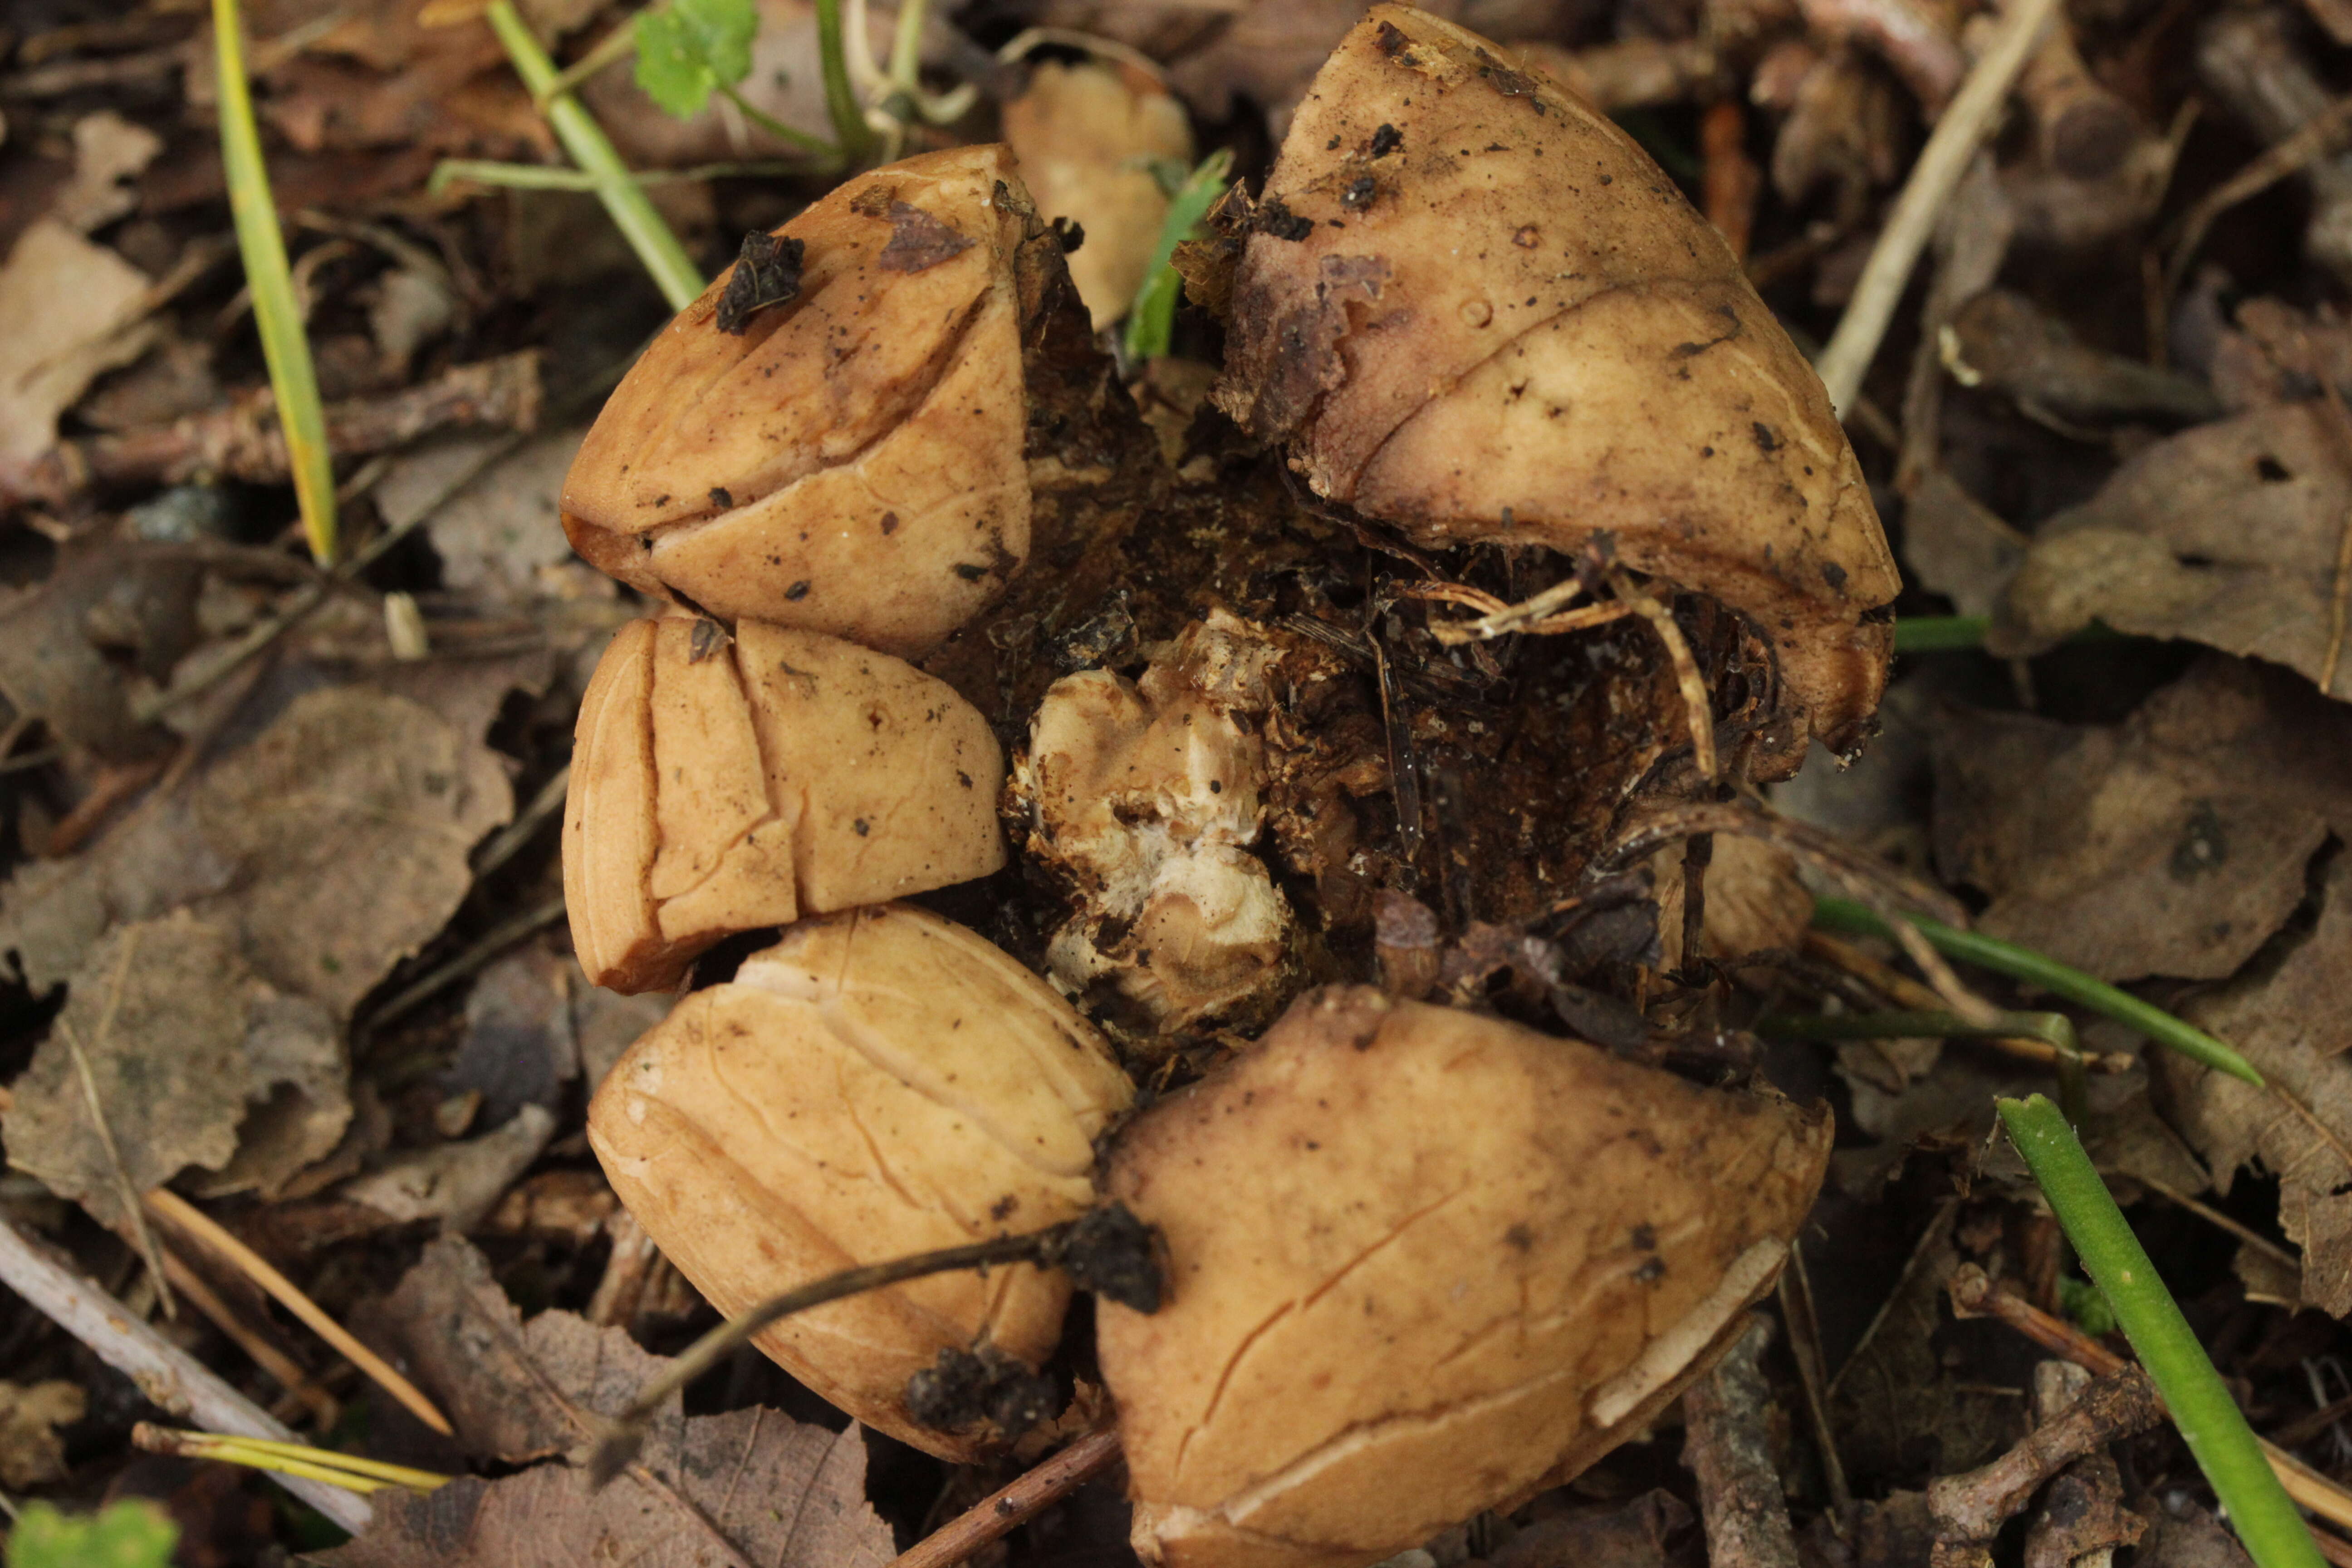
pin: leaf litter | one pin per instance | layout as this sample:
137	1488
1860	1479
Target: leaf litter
751	1485
275	853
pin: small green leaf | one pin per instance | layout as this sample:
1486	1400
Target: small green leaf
2088	1309
688	49
1152	317
127	1534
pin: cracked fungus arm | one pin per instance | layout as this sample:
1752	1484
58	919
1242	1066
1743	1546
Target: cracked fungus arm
878	1083
853	462
1487	314
1384	1321
724	783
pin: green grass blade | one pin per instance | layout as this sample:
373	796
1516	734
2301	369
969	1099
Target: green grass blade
2209	1419
656	246
1851	918
1152	318
283	344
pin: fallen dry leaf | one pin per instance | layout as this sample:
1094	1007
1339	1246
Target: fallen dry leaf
62	644
334	846
1957	547
748	1487
499	536
1633	1535
456	1183
183	1045
109	152
2174	843
349	820
67	310
31	1452
2287	1015
752	1486
2226	534
515	1392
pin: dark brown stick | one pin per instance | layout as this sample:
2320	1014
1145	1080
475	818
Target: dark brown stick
1970	1510
1727	1447
1006	1508
244	442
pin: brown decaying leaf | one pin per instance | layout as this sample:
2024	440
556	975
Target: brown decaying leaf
2285	1014
325	851
456	1184
2174	844
181	1040
67	310
31	1452
498	537
109	595
749	1486
2226	534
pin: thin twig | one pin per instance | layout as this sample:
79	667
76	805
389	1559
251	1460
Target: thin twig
203	1228
1728	1447
490	944
289	1374
510	838
1973	1294
1933	179
2317	137
1009	1507
168	1375
1796	1292
1970	1510
1871	882
2339	607
2216	1218
619	1444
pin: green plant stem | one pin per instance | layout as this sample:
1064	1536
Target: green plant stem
283	344
664	259
849	127
816	145
2055	1029
2209	1419
907	45
1944	634
1851	918
1939	633
612	47
541	177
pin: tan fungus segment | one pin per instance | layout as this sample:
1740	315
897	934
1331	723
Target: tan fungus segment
721	785
878	1083
1502	322
853	462
1386	1316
